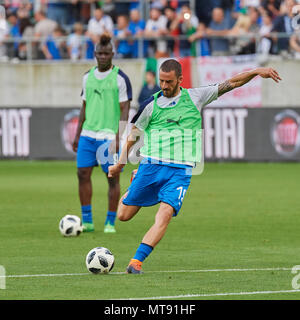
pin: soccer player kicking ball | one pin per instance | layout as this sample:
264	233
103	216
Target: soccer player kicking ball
165	179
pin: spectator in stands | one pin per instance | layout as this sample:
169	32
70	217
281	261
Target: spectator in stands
271	7
252	3
137	27
75	10
76	42
55	48
218	27
81	10
204	10
14	33
42	29
12	6
242	24
24	12
156	27
149	88
136	24
265	43
27	31
44	26
59	11
109	8
99	24
4	32
203	44
134	4
172	45
123	46
25	24
160	4
283	23
246	24
187	23
227	6
295	44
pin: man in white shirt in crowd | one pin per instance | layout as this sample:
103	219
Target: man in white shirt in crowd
156	27
99	24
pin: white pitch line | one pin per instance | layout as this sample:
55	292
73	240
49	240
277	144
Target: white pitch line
212	295
225	270
42	275
50	275
158	271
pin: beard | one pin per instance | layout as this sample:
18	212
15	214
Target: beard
171	93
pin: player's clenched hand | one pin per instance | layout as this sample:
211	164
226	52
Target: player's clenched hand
114	170
75	145
269	73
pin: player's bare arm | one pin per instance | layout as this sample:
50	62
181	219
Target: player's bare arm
132	138
244	77
79	127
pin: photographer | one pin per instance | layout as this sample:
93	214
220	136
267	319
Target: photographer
187	23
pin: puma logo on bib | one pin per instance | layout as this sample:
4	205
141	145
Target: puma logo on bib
174	121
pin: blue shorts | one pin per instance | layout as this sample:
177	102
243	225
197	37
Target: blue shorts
92	152
156	183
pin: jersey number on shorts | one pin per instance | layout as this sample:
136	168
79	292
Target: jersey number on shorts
181	195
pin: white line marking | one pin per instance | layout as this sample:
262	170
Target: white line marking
177	271
44	275
158	271
226	270
213	295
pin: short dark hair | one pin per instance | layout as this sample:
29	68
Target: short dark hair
172	65
152	72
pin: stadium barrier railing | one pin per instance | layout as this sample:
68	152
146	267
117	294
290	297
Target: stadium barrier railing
29	46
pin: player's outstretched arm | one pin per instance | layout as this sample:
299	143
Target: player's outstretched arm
132	138
244	77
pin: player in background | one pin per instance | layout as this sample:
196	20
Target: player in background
106	97
166	180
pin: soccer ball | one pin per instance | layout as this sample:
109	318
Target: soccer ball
70	226
100	260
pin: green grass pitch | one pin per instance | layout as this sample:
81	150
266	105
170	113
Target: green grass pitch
236	237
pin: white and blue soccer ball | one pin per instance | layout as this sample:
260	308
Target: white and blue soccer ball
70	226
100	260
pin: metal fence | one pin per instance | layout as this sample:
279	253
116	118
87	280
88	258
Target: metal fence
30	48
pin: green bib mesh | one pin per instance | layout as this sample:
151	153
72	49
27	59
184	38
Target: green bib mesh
174	133
102	103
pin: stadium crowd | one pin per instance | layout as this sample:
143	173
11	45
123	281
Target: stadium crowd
69	29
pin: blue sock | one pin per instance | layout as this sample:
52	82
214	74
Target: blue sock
143	252
86	212
111	217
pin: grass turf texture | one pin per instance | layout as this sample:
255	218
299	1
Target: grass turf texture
237	215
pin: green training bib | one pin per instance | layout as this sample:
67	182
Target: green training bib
174	133
102	111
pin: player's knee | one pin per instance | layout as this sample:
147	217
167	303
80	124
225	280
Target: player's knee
83	174
113	184
123	213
